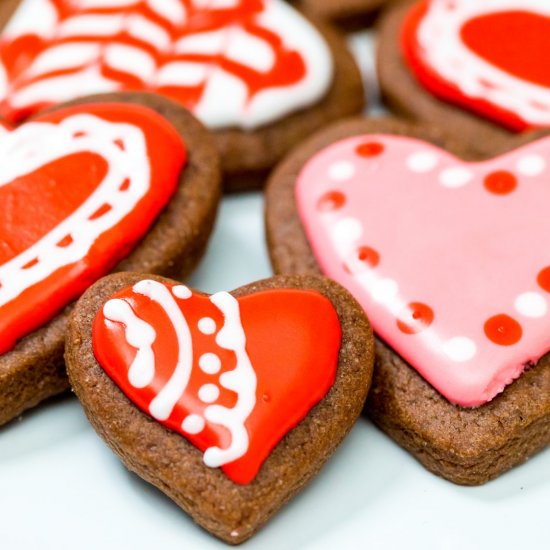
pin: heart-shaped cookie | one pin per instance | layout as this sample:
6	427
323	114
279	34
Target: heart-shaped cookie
58	235
448	261
228	403
485	56
211	368
80	187
233	64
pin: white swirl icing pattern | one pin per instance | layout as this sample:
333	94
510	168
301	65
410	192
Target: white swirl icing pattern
35	144
224	101
242	379
443	49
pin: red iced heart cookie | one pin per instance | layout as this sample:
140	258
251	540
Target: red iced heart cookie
78	187
486	56
233	376
241	63
448	258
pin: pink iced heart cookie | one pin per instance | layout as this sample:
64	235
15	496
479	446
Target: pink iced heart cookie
447	258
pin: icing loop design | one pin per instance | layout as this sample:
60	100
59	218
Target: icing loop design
486	56
232	62
57	237
226	389
446	257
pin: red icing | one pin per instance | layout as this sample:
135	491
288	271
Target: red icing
333	200
292	339
37	202
415	318
488	36
288	67
370	149
368	256
503	330
543	279
500	182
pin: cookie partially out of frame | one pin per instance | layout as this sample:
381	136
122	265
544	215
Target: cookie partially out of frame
34	369
296	352
405	96
349	13
471	444
264	78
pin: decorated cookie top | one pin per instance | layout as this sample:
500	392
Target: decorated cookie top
487	56
231	375
449	259
239	63
78	188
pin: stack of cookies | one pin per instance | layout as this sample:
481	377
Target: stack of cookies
407	283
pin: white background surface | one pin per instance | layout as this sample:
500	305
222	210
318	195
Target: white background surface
61	487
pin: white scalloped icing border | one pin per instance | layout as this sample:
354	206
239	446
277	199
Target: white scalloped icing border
35	144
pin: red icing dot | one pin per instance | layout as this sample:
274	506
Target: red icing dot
544	279
500	182
370	149
333	200
368	256
415	318
503	330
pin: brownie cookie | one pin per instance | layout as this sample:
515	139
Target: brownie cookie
259	74
227	403
471	69
129	181
420	238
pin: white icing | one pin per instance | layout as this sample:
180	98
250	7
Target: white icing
443	49
163	403
242	380
531	304
455	177
460	349
207	325
139	335
210	363
193	424
38	143
422	162
225	101
182	292
531	165
341	171
209	393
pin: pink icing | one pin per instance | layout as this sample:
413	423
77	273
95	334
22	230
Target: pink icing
446	257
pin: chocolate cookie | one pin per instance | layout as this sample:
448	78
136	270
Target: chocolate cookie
129	181
259	74
227	403
440	254
348	13
452	85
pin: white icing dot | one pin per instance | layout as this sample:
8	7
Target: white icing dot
531	165
423	161
384	290
531	304
181	291
193	424
455	177
460	349
348	230
341	171
210	363
209	393
207	325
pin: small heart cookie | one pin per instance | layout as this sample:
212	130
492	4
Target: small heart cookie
131	181
228	403
470	67
444	259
